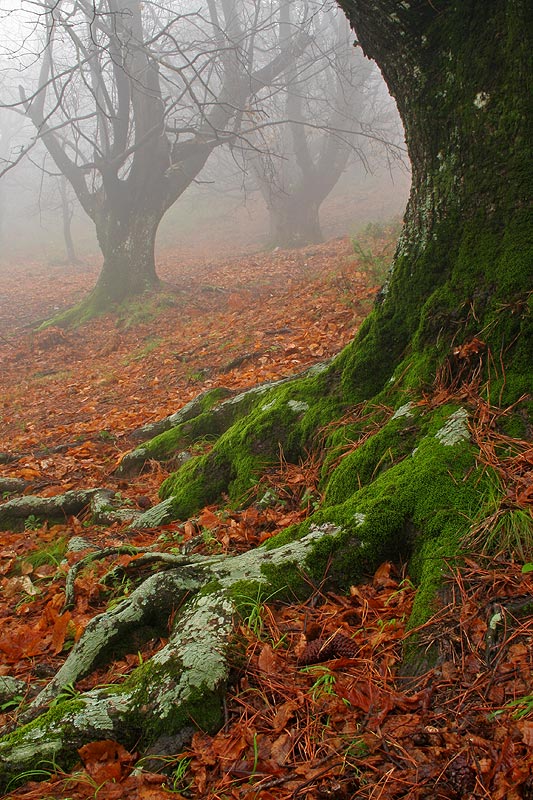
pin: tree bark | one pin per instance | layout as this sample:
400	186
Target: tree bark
294	220
127	242
66	216
459	73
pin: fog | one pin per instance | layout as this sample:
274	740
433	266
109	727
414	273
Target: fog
224	208
215	216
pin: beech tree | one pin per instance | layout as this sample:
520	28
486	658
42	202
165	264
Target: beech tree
131	99
327	108
455	315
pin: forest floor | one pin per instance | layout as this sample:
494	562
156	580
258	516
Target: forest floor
318	708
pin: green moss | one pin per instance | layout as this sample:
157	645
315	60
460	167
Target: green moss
213	397
286	582
52	727
417	509
203	707
279	421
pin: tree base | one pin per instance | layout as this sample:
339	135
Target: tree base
135	307
402	478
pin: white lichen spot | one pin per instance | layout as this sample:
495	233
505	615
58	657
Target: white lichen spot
359	518
239	398
78	543
155	516
481	99
316	369
96	713
403	411
326	527
298	405
268	406
455	429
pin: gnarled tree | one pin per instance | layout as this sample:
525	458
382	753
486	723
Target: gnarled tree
457	305
130	101
333	110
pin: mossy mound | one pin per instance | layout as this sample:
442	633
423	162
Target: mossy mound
399	481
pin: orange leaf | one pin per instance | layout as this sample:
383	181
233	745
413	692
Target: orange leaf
105	760
208	520
59	632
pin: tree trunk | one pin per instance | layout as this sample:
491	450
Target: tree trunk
66	215
294	220
463	264
128	246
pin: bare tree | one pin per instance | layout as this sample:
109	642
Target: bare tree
9	126
131	99
328	112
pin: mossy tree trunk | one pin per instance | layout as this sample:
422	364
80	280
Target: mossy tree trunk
127	242
459	73
412	478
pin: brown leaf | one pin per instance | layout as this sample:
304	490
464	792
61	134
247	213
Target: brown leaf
526	731
105	760
18	585
284	713
281	748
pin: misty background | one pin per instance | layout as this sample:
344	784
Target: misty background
226	207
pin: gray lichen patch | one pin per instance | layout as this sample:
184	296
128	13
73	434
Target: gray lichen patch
10	688
298	405
12	485
107	509
250	566
403	411
101	712
78	543
455	429
159	514
193	664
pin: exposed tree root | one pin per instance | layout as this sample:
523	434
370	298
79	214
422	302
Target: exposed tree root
182	685
101	504
89	559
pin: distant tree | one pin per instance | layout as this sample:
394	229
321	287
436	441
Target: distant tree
8	129
131	99
67	213
328	112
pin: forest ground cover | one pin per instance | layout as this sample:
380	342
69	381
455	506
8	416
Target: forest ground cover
318	708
